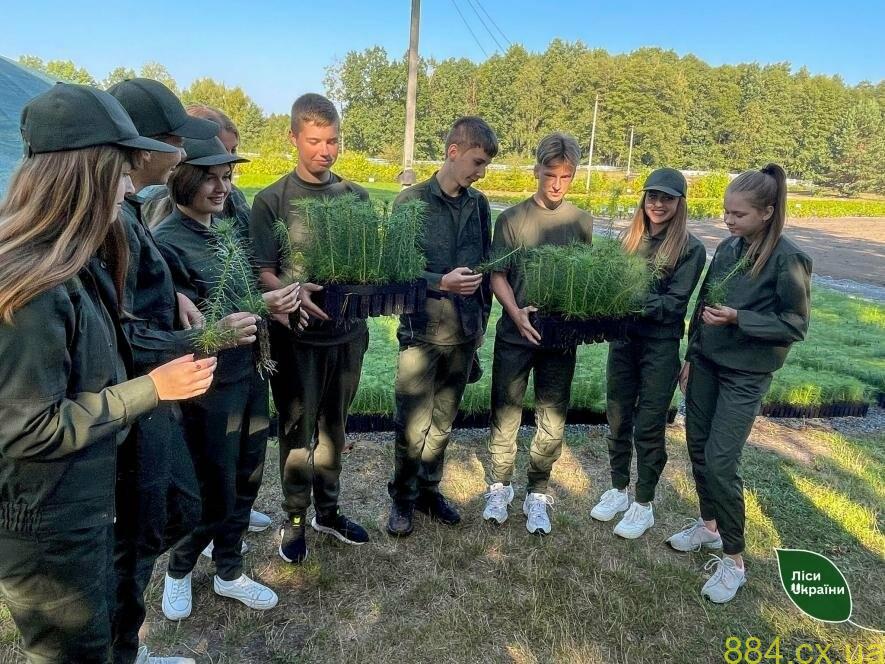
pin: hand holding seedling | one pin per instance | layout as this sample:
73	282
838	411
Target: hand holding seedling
245	325
719	316
283	300
525	327
461	281
188	314
307	304
183	378
683	376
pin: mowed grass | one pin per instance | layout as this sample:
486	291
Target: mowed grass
479	593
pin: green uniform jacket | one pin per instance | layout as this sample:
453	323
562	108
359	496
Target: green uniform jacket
457	232
274	203
773	309
186	246
150	308
663	314
64	406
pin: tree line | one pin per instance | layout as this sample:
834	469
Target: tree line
684	113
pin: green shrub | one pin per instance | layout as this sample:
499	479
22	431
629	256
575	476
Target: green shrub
581	282
349	241
712	185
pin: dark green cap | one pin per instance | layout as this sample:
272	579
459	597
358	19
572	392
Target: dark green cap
668	180
71	117
209	152
156	110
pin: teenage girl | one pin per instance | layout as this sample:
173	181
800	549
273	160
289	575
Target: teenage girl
740	334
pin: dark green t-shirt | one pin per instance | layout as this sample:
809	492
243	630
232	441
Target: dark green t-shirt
528	225
275	202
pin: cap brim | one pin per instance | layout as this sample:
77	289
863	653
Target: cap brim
666	190
143	143
216	160
197	128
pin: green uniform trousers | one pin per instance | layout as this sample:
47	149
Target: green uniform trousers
59	589
313	388
553	371
430	381
720	406
641	377
226	432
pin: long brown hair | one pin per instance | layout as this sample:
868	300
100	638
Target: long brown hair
765	187
56	215
673	246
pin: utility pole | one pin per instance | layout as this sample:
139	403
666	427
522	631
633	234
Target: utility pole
592	139
630	153
407	177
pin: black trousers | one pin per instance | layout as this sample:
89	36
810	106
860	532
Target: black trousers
720	407
430	381
58	589
641	377
226	432
313	389
158	503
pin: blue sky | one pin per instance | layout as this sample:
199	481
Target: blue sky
277	50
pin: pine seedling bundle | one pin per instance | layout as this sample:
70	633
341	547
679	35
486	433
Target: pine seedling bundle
349	241
718	287
236	289
580	282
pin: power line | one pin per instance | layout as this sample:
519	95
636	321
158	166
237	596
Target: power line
469	29
509	43
488	29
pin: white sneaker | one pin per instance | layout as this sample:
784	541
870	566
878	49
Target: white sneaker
258	522
694	536
249	592
498	499
610	503
177	603
636	521
535	509
244	549
144	657
726	579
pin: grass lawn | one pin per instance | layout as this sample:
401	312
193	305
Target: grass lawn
477	593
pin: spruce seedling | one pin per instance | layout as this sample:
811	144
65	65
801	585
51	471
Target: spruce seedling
718	288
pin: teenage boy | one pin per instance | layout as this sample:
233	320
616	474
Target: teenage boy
158	500
544	218
318	367
437	345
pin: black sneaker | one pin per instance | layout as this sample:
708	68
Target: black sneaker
293	545
339	526
437	507
399	524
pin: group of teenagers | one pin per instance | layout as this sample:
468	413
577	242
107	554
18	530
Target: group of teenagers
119	443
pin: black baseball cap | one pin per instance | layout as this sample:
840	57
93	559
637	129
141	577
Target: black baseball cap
71	117
156	110
668	180
209	152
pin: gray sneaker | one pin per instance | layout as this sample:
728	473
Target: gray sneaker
695	536
727	578
144	657
535	509
258	522
498	499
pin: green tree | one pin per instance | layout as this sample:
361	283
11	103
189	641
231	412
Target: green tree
117	75
158	72
245	113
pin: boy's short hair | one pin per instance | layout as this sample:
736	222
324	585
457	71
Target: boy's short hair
557	147
473	132
216	115
315	108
